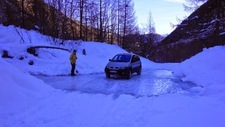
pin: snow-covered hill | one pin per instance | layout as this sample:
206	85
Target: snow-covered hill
54	61
28	101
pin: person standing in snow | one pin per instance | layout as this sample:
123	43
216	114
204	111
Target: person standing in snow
73	58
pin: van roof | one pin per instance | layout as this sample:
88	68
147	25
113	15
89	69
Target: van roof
125	54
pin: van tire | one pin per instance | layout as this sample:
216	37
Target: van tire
128	76
107	75
139	71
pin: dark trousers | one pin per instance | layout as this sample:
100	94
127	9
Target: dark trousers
72	68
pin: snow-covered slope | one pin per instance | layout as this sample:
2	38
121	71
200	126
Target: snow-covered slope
18	90
207	69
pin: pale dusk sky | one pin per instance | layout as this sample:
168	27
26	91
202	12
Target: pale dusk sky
164	12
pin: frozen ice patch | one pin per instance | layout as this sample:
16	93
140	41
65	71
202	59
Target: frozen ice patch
163	73
150	83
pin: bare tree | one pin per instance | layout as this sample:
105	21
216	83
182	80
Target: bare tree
93	19
147	41
118	21
72	10
82	2
55	10
23	11
113	17
129	22
9	12
59	22
151	23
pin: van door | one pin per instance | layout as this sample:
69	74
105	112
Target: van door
135	63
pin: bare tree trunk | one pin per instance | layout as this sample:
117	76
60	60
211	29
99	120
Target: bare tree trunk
118	23
125	21
81	18
59	20
101	27
23	15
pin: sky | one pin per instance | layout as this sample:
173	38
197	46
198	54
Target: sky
164	12
187	94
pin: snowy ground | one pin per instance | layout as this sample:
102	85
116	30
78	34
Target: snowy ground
188	94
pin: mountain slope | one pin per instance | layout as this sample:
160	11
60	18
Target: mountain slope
204	28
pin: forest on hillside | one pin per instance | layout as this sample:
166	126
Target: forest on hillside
90	20
111	21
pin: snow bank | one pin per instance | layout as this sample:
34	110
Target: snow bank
205	69
14	35
18	90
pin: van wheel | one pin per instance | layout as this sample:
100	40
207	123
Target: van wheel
128	75
107	75
139	71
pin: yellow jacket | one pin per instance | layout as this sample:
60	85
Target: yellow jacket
73	58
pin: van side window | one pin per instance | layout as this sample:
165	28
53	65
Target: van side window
135	58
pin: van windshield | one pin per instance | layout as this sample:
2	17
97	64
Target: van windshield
121	58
